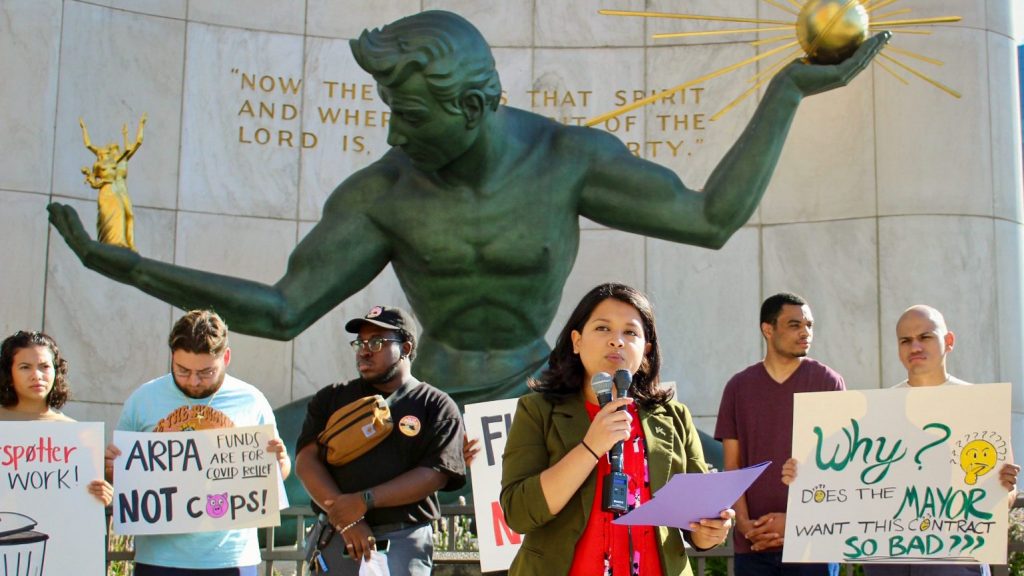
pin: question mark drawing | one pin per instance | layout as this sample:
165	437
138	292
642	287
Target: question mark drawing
981	542
936	442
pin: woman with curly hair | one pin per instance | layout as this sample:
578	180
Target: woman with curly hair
556	462
34	386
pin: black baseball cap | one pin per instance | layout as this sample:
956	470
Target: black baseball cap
391	317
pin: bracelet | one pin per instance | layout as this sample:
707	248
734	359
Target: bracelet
342	531
368	499
589	449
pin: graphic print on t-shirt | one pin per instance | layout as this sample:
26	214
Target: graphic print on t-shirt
188	418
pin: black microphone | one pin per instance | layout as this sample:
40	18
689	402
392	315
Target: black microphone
615	494
622	381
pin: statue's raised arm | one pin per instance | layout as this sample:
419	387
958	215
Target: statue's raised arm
130	149
631	194
85	138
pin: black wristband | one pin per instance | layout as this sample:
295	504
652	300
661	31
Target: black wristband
592	453
368	499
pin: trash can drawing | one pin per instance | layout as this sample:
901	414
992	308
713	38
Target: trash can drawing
22	549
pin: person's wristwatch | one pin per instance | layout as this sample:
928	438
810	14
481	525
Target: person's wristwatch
368	499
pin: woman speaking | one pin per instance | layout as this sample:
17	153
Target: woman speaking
556	458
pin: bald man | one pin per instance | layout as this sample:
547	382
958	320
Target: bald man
924	341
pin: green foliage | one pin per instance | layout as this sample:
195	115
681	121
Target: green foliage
462	527
714	567
118	543
1015	561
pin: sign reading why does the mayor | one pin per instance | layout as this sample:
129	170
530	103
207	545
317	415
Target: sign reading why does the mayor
49	522
905	475
178	482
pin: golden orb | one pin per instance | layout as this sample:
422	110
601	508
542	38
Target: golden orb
830	31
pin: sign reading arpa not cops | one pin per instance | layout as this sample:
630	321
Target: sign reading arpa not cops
907	475
49	522
490	422
179	482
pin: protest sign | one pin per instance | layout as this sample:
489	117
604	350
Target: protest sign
900	475
181	482
49	523
490	422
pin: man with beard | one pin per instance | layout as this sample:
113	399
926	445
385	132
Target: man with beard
198	394
387	497
755	423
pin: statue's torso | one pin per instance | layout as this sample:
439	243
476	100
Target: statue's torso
484	269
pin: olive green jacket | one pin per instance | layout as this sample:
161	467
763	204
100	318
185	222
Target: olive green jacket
542	433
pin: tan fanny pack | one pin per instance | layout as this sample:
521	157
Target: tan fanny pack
355	428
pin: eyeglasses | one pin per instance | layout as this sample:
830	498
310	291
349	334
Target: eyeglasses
373	344
203	375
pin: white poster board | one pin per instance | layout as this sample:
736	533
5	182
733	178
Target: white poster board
490	422
199	481
51	524
900	475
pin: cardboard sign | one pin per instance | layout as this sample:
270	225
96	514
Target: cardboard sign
49	522
490	422
181	482
900	475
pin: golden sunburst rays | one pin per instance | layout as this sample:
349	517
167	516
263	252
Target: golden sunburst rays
825	31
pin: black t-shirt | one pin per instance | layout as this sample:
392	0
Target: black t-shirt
428	432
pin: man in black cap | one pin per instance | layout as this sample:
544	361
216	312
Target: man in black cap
387	497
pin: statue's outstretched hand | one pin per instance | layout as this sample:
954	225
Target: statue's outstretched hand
112	261
815	78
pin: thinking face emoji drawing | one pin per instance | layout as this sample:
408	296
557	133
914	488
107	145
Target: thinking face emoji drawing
977	459
217	504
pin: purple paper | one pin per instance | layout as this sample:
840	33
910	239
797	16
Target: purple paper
689	497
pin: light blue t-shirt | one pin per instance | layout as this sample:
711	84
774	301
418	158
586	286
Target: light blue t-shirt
158	405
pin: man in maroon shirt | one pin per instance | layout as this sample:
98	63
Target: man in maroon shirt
755	423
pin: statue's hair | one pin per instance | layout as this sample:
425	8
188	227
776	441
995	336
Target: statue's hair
446	48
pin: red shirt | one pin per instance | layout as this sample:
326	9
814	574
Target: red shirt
604	548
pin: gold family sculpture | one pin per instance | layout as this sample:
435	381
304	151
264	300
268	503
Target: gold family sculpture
115	221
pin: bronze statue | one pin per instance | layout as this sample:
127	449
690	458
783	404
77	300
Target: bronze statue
476	206
115	221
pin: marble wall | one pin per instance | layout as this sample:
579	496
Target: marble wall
887	194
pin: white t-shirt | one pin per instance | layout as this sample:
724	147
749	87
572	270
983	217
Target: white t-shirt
952	381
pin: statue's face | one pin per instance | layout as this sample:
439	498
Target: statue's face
431	136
